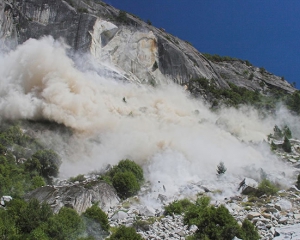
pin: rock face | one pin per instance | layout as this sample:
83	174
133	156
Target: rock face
78	196
144	53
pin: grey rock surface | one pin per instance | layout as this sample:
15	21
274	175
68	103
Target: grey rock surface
78	196
143	52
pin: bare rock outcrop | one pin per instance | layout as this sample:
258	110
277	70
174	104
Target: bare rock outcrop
78	196
142	52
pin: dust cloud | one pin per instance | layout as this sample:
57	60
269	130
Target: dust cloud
176	138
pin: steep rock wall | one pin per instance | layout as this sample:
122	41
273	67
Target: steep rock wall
140	52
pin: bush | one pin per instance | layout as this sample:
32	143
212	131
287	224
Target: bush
125	233
126	184
266	187
177	207
249	231
122	17
216	223
98	215
193	213
79	178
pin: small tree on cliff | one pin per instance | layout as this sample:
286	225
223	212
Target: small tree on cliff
286	146
221	169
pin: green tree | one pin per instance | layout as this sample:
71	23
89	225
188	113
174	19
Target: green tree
287	132
95	213
218	224
126	184
277	132
66	225
178	207
128	166
33	215
49	163
8	228
221	169
249	231
286	146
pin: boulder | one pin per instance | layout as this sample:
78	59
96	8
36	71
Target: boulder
248	186
78	196
283	204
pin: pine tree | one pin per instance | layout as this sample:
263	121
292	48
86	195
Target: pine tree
221	169
286	146
287	132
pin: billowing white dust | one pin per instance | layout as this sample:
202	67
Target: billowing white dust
176	138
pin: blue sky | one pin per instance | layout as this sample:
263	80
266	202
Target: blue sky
264	32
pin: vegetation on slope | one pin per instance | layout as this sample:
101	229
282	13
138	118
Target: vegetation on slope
212	222
236	96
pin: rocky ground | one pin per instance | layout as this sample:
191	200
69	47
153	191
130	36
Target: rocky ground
275	217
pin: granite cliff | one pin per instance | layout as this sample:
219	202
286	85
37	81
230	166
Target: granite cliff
142	52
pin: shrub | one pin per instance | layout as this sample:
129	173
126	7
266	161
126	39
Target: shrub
126	184
249	231
37	182
273	146
262	70
98	215
216	223
79	178
194	211
266	187
177	207
82	10
122	17
125	233
251	76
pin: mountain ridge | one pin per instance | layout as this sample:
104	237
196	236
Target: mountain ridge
126	42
